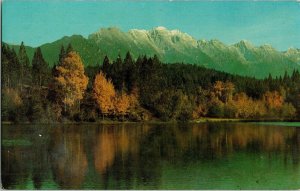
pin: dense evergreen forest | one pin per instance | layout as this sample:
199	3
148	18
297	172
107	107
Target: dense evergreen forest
136	90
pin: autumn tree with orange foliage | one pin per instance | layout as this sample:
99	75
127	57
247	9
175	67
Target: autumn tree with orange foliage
277	106
134	97
71	82
121	104
246	107
104	93
223	91
273	99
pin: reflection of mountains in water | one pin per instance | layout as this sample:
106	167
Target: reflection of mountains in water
133	155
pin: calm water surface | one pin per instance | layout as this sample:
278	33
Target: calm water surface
143	156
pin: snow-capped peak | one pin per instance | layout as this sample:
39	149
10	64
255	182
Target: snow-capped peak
160	28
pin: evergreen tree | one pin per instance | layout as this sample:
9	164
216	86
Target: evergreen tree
10	67
52	94
296	76
130	72
116	74
14	68
62	53
128	59
106	65
25	73
5	63
39	68
69	49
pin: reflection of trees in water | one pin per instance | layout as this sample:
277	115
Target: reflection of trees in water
115	154
68	158
128	156
149	163
13	167
124	155
294	146
19	161
40	167
210	141
104	151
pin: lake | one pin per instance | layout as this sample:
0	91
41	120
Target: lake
151	156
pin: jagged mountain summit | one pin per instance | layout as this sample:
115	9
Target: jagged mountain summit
172	46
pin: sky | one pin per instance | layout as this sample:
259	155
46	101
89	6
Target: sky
39	22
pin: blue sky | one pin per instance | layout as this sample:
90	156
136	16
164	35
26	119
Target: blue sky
38	22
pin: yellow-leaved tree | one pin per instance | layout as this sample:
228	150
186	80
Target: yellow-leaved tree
223	91
104	93
122	103
273	100
70	81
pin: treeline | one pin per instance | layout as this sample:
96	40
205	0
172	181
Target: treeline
136	90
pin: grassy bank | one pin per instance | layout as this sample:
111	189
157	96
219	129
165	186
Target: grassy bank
207	119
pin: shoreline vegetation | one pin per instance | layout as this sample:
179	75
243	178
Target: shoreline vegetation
201	120
142	90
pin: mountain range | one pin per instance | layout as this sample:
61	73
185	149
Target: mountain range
172	46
